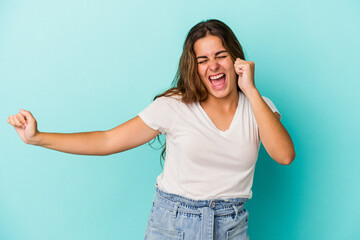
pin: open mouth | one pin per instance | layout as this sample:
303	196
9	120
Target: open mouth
218	81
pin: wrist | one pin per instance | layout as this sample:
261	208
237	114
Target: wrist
36	140
251	93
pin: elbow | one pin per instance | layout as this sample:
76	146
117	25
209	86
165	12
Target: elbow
288	159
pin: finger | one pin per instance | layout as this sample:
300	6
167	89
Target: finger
17	122
244	63
239	68
239	60
10	121
14	121
243	66
20	118
29	117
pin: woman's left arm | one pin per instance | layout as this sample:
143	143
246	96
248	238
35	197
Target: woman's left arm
273	134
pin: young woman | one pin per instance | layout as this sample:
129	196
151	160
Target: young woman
214	119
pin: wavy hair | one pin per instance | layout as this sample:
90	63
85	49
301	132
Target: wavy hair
187	82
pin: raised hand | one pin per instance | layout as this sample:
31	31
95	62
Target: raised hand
25	125
245	70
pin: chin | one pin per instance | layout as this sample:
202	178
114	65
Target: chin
219	94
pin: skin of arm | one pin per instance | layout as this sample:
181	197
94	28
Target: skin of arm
130	134
273	134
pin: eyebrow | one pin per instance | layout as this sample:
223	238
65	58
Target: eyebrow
223	51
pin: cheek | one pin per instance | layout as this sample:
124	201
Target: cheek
201	72
233	76
232	69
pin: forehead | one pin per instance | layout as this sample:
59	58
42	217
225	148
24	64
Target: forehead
208	45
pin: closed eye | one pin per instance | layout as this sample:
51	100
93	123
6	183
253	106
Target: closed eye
205	60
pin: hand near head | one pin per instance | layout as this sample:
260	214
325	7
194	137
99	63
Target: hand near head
25	125
245	70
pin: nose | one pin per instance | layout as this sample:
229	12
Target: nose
213	65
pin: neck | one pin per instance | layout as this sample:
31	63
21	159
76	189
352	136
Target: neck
226	104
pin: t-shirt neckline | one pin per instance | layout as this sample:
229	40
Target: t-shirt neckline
213	126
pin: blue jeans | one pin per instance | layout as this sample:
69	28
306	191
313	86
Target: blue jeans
176	217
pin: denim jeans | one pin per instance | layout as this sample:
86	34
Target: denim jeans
176	217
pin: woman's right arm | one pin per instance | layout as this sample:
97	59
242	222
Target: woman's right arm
130	134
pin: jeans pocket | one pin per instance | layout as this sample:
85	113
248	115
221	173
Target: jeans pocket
157	232
239	232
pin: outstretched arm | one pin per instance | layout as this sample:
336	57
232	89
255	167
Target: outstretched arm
130	134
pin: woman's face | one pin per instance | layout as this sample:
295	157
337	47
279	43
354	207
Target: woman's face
215	66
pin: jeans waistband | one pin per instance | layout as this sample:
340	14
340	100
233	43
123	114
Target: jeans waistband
195	204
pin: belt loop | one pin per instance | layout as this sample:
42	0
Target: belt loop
176	208
154	198
236	211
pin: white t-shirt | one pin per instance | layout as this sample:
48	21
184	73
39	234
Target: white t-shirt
203	162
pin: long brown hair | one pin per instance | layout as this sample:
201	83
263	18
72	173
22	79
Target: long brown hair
187	82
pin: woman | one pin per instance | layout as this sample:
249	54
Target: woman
214	119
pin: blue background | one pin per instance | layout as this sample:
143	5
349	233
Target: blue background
92	65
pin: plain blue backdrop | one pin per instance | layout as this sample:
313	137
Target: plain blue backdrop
92	65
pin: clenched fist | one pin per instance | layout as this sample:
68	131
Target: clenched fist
245	70
25	125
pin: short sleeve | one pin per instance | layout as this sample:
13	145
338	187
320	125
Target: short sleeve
161	114
271	105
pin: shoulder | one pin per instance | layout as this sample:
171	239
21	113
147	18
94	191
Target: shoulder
268	102
173	99
166	104
266	99
272	107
